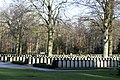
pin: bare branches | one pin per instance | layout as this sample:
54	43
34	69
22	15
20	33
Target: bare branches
39	13
50	10
101	3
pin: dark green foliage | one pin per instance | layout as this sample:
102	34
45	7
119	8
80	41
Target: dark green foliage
43	65
55	64
18	62
118	71
49	66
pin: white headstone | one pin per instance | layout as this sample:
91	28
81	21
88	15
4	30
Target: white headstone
64	63
91	63
76	63
80	63
45	60
108	62
98	63
115	63
10	59
2	58
68	63
87	63
83	63
5	58
33	60
72	63
111	63
94	63
29	60
37	60
101	63
21	58
14	58
41	60
49	61
59	63
105	63
17	58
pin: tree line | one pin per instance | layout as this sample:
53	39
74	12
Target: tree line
34	26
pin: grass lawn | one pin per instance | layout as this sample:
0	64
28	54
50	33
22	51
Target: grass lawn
27	74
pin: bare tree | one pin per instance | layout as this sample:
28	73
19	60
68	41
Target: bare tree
15	19
48	11
104	10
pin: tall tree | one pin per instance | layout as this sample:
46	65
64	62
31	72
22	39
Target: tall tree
15	19
48	11
107	24
104	12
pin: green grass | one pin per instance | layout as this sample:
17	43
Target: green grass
27	74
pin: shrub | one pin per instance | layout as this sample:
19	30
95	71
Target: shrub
55	64
43	65
18	62
118	71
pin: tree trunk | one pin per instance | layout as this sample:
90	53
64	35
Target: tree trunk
66	50
107	23
66	46
46	46
20	43
57	50
37	44
50	42
110	44
25	47
111	12
106	43
0	43
29	49
18	46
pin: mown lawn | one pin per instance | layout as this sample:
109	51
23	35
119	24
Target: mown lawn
27	74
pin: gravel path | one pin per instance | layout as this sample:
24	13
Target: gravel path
10	65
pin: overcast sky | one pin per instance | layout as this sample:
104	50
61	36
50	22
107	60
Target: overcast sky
4	2
71	11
